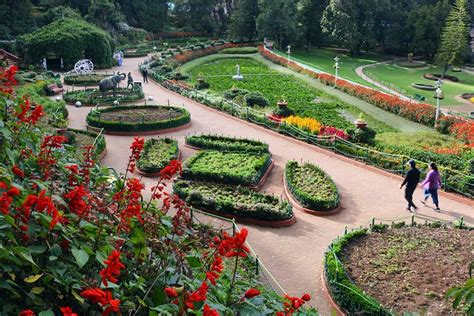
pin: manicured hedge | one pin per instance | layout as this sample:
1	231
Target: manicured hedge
240	50
222	143
93	119
227	167
156	154
311	186
233	200
94	96
84	80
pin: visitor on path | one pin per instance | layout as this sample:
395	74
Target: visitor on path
130	80
411	181
145	75
431	185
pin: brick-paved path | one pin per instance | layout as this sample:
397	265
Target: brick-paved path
294	255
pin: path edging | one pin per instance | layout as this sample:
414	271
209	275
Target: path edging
327	294
146	133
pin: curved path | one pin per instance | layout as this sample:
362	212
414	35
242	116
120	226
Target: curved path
294	254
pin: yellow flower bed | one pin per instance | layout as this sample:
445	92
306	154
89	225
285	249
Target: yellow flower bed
305	123
472	99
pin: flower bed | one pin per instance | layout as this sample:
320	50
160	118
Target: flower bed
138	118
240	50
389	271
435	77
84	80
157	153
233	200
221	143
227	167
81	139
424	86
92	97
311	187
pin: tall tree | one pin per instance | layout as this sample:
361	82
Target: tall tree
277	20
193	15
310	13
243	21
148	14
455	36
104	13
16	18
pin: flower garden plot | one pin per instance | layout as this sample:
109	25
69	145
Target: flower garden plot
92	97
227	167
233	200
311	187
139	118
221	143
84	80
156	155
407	269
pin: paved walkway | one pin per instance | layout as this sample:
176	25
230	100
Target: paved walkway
294	255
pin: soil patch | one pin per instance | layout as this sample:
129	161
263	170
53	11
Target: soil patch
410	269
141	115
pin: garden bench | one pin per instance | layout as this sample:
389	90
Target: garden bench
419	97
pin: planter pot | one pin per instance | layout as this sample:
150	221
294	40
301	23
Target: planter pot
282	103
360	124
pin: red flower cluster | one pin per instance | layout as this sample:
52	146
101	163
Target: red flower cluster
25	107
18	172
232	246
6	198
330	130
136	147
171	292
464	131
251	293
199	295
207	311
193	54
27	312
41	203
7	79
293	304
132	194
45	158
173	168
103	298
67	311
112	271
77	201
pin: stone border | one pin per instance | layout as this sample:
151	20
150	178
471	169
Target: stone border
146	133
300	207
327	294
251	221
154	174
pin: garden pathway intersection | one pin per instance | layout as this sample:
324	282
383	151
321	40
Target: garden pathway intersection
294	254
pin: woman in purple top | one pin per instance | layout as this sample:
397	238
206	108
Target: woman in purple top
431	185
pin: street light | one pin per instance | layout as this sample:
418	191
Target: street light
439	96
336	67
289	53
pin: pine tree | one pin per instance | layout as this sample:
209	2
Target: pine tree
243	20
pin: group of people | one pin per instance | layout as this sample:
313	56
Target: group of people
431	185
130	78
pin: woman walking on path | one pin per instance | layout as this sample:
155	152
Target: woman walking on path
431	185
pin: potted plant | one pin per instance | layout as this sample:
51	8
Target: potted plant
361	122
282	102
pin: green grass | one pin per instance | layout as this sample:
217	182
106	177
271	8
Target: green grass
403	78
323	59
420	140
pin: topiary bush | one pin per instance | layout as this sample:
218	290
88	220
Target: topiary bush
256	98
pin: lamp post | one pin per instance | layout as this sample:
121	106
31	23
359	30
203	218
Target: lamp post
289	53
439	95
336	67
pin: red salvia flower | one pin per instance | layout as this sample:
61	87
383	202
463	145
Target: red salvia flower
77	201
67	311
112	306
197	296
112	271
136	147
171	292
18	172
251	293
6	198
171	169
207	311
95	295
27	312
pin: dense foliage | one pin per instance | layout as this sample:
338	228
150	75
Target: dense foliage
92	97
311	186
157	154
84	80
222	143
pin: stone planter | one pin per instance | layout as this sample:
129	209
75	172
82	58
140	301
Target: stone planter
282	103
360	124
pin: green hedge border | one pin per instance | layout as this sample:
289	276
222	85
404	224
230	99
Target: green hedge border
113	126
309	201
69	97
79	80
207	141
157	167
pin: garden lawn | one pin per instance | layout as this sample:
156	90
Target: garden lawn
157	153
392	75
273	85
323	59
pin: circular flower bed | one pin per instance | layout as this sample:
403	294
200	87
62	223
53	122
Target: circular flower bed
413	64
423	86
84	80
435	77
468	96
389	271
139	119
93	97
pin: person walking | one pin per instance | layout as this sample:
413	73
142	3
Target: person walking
411	181
130	80
431	184
145	75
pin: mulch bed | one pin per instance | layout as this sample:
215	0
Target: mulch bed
410	269
140	115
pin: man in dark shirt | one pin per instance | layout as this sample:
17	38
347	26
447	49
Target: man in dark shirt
411	181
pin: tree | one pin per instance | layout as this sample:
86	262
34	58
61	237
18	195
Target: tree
104	13
309	18
194	15
277	20
243	21
455	36
16	18
148	14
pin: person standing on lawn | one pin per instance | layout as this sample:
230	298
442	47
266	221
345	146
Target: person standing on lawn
431	185
411	181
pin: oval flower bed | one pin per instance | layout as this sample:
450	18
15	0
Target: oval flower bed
156	155
221	143
236	202
139	119
84	80
389	271
227	167
311	187
93	97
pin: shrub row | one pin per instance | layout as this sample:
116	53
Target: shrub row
84	80
156	154
93	119
93	96
233	200
221	143
240	50
227	167
311	186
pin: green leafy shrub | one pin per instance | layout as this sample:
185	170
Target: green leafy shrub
157	153
283	111
240	50
233	200
202	85
92	97
311	186
234	93
221	143
84	80
363	135
226	167
256	98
